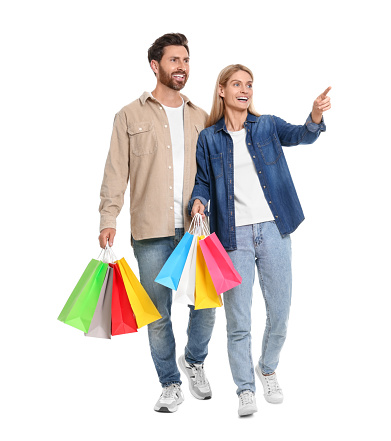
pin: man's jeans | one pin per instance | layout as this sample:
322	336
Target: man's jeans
259	245
151	255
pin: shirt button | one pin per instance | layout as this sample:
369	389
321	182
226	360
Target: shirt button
170	187
168	146
260	172
160	108
165	125
253	156
276	217
270	202
169	167
171	208
249	143
140	128
264	186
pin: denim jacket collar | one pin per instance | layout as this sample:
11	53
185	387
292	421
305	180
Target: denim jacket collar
220	125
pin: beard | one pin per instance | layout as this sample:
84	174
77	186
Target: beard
168	80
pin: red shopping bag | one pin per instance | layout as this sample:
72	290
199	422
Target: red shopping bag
122	317
220	266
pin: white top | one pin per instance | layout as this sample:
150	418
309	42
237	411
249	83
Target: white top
251	206
175	120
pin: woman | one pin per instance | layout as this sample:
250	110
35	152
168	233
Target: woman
254	207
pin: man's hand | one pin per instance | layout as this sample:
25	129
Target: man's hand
106	233
198	207
321	104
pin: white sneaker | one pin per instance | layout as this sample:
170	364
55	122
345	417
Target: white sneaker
247	404
272	391
170	398
198	383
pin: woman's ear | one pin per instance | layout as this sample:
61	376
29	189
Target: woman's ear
221	91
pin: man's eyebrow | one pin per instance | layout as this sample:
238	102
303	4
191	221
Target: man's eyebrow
177	58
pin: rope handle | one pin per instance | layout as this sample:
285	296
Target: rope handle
198	227
108	254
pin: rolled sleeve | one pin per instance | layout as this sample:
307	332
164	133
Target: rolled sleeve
191	202
313	127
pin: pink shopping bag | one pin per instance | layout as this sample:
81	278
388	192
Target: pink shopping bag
220	266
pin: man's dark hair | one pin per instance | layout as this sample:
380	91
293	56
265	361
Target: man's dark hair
155	52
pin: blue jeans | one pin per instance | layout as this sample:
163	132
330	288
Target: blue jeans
151	255
259	245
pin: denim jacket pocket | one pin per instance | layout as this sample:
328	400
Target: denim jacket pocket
142	138
270	149
216	162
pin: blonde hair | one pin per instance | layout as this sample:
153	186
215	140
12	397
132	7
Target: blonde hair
217	111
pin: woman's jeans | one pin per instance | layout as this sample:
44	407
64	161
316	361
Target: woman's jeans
259	245
151	255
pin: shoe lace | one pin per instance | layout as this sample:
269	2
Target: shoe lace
169	391
246	397
199	373
272	384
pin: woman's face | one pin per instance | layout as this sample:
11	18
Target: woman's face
238	92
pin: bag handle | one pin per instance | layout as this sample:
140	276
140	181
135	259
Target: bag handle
108	254
198	227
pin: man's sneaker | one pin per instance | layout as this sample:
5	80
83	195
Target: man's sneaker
247	404
170	398
198	383
272	391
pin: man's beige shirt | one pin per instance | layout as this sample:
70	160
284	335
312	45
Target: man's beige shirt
140	152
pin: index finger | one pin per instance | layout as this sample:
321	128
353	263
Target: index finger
326	92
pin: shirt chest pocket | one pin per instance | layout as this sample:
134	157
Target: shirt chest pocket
216	163
270	149
142	138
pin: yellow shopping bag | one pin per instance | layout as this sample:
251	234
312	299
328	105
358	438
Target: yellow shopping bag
143	308
205	292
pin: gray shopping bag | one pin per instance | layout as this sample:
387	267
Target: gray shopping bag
101	321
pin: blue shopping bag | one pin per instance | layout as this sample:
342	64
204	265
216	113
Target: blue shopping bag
172	270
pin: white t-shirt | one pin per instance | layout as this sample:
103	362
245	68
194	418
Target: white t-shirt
175	120
251	206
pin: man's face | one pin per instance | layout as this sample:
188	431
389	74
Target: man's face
173	69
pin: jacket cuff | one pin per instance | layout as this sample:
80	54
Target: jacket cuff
313	127
191	202
107	222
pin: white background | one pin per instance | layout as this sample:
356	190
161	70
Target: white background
67	68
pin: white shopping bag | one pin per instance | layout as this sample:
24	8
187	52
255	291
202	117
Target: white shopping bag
186	286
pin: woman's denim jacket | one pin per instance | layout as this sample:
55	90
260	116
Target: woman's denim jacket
215	171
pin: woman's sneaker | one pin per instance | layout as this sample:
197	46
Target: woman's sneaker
272	391
247	404
170	398
198	383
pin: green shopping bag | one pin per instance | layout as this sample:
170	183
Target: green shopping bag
80	307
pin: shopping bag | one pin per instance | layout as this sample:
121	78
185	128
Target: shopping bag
143	307
205	292
100	326
81	304
172	270
186	286
220	266
122	316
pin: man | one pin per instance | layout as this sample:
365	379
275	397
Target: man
153	146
